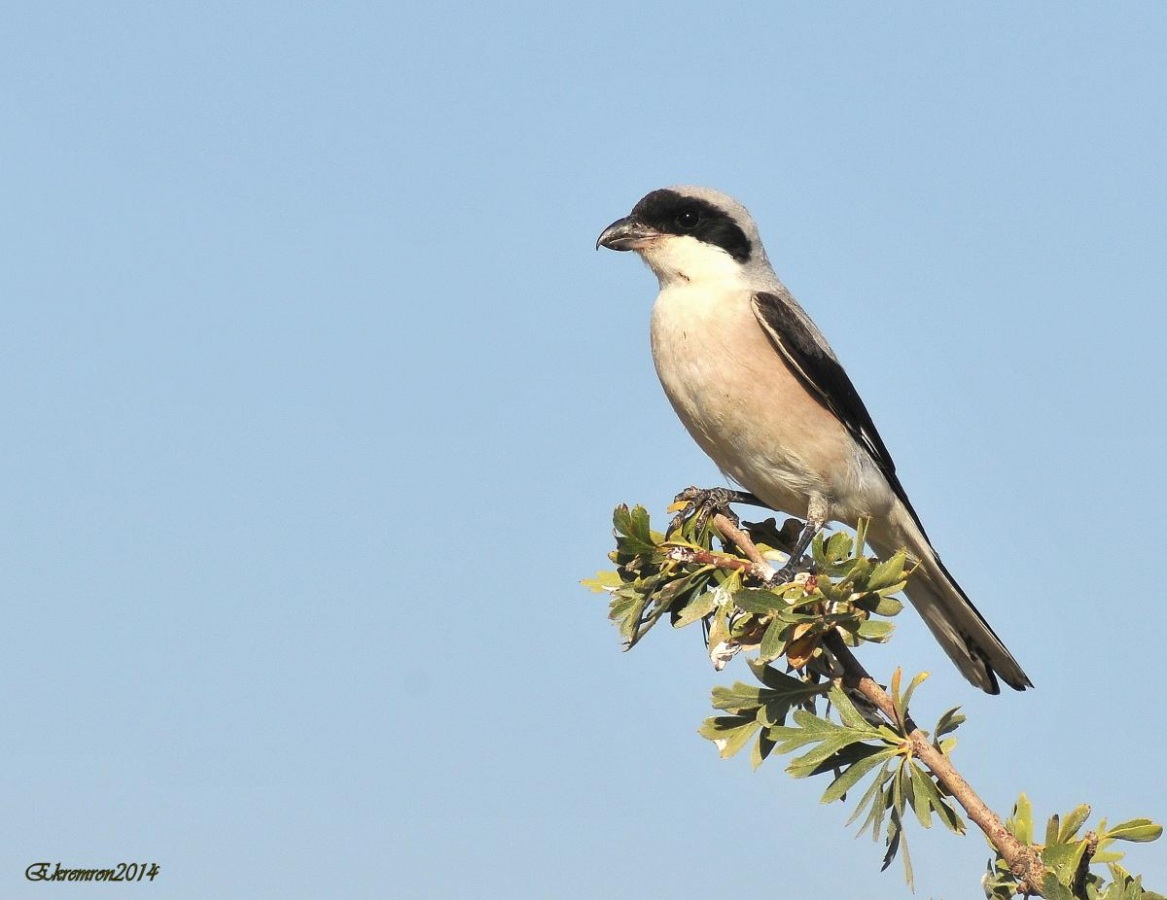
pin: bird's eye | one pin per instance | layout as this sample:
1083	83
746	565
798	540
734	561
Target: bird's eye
688	220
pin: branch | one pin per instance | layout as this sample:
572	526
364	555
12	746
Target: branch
1023	860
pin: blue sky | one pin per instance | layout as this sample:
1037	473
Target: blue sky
317	400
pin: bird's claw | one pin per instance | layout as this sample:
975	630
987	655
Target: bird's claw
701	504
785	575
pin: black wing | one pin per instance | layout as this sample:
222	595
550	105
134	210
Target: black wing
827	380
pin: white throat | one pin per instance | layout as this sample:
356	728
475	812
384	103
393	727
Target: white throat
680	259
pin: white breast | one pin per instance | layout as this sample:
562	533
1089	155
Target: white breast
747	409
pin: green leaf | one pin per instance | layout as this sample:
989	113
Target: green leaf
896	588
919	795
828	552
782	694
1052	889
901	792
847	756
757	600
881	804
1127	887
927	788
1051	829
719	627
851	775
838	546
696	609
806	729
896	841
774	713
861	528
604	582
773	643
1021	822
902	844
873	794
1137	830
857	574
1068	829
897	701
737	739
632	525
949	722
848	714
948	815
887	573
761	749
738	697
729	733
828	743
774	679
1063	859
626	609
916	682
875	630
879	604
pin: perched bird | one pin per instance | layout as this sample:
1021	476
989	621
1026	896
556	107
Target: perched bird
760	390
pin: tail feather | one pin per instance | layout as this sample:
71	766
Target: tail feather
960	629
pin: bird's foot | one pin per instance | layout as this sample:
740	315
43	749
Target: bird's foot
789	573
798	551
785	575
701	504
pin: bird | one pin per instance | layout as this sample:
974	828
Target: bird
760	390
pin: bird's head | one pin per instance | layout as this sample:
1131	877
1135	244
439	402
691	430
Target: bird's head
691	234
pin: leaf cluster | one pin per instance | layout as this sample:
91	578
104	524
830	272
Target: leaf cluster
693	579
647	581
1068	855
846	741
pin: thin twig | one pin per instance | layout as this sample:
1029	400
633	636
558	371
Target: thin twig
729	531
701	557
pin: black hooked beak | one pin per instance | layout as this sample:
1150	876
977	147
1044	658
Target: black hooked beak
626	234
